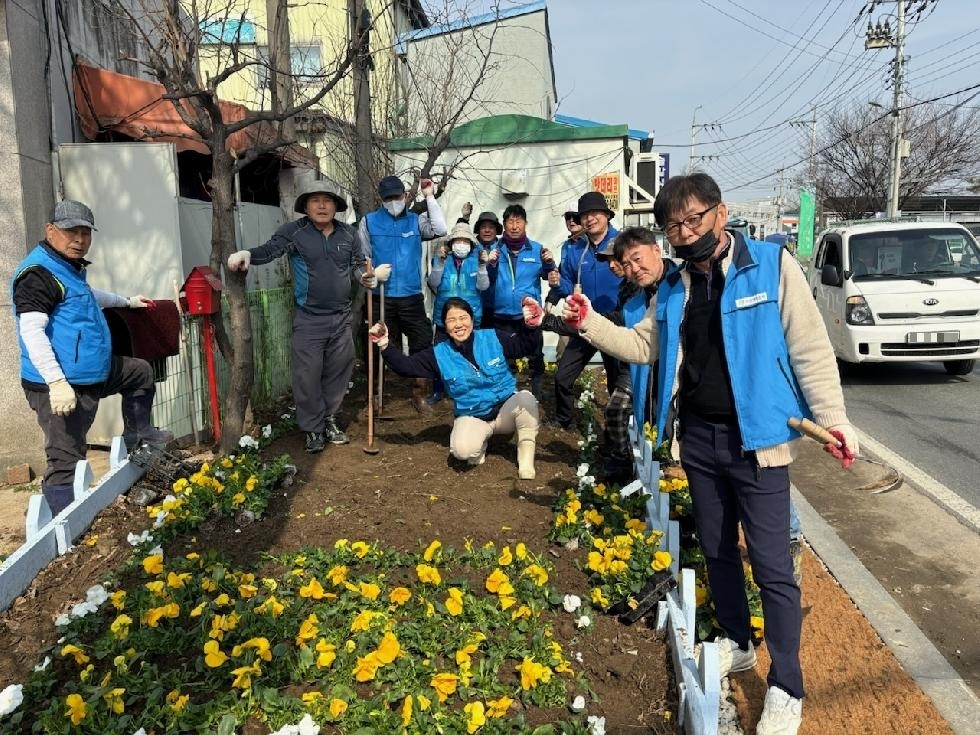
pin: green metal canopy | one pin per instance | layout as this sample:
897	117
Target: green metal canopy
508	129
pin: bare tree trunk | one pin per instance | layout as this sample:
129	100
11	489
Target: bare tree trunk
363	148
236	342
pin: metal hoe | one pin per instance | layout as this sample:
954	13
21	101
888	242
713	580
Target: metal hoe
820	434
370	448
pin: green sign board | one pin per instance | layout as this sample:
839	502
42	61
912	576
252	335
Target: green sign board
804	241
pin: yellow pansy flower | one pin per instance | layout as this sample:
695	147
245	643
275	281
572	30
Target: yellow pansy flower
505	557
369	590
337	707
76	652
431	550
538	573
497	708
366	667
177	701
213	655
118	599
362	621
77	708
407	711
153	564
520	551
120	627
444	684
475	716
308	630
337	575
326	653
312	590
243	675
498	583
532	672
389	648
661	560
400	595
454	603
360	549
114	699
428	574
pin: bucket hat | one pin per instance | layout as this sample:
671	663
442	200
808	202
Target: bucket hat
461	231
319	187
69	213
593	201
488	217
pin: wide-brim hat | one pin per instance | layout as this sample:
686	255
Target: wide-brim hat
461	231
593	201
319	187
488	217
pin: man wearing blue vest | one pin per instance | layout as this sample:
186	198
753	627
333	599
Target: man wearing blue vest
580	267
66	360
393	235
741	350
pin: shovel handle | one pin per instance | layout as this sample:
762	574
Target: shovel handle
812	430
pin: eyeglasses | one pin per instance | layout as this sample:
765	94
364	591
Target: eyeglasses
691	222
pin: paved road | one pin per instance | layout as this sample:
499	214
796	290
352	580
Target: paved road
925	416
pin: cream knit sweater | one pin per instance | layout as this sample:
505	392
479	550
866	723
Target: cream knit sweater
810	353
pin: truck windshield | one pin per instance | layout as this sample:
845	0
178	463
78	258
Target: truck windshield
914	251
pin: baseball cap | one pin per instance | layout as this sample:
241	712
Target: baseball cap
390	186
68	213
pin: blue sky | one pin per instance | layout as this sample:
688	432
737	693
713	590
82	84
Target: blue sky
750	64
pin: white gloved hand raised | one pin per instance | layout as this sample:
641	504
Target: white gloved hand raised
577	307
239	261
383	272
532	311
62	397
378	334
139	302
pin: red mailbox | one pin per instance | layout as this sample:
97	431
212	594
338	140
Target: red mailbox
201	293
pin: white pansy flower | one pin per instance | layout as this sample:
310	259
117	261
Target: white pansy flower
44	664
62	620
160	519
571	603
307	726
583	470
578	704
11	698
96	594
136	540
584	621
156	550
81	609
579	658
267	431
141	731
247	442
598	725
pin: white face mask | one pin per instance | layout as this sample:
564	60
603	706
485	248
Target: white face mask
461	249
395	207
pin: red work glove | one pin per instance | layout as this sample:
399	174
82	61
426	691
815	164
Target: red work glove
378	334
577	307
533	313
845	453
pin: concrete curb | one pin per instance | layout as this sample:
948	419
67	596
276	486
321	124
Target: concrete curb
955	701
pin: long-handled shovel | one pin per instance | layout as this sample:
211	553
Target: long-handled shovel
370	448
381	367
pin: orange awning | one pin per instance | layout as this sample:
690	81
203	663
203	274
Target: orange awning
135	107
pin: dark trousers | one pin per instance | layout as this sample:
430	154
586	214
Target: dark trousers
727	486
573	361
517	326
64	436
323	360
405	315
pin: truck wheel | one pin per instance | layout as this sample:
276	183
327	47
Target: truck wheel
959	367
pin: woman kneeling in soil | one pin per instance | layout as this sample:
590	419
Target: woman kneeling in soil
473	367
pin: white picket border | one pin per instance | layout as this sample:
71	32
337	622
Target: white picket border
698	683
47	537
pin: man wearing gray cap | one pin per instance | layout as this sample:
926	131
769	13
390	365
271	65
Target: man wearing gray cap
325	255
66	360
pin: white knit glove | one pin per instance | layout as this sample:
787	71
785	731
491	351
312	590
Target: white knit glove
369	280
139	302
846	434
62	397
239	261
378	334
383	272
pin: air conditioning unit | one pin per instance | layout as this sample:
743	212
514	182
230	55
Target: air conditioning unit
514	183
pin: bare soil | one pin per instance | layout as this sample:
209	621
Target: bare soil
411	492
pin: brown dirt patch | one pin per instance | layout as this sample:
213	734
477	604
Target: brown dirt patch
411	493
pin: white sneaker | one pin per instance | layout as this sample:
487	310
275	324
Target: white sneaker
731	658
781	714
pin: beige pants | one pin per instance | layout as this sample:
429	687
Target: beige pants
468	440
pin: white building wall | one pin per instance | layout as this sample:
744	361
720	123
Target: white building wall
517	80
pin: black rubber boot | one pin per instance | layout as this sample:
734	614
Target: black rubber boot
136	423
59	497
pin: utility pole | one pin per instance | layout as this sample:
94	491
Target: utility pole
812	122
695	127
880	36
360	26
280	77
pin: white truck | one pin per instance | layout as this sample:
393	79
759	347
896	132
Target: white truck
899	291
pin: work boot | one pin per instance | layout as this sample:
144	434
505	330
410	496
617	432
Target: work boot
781	714
315	442
137	428
526	439
333	433
420	391
58	497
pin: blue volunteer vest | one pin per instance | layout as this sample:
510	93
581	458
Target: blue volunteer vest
517	277
77	329
764	387
476	392
460	282
397	240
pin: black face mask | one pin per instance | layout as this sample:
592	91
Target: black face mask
699	250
